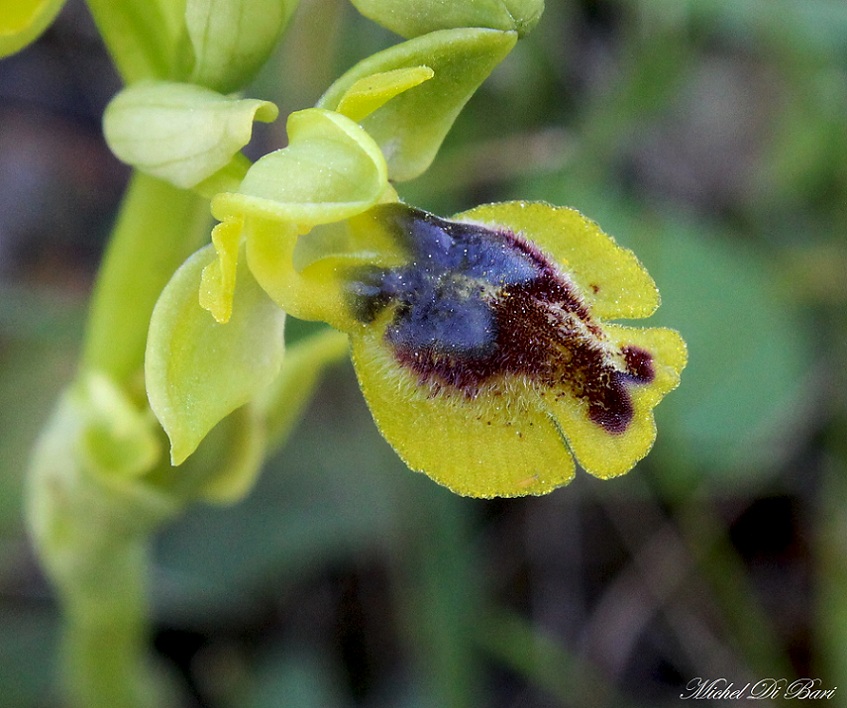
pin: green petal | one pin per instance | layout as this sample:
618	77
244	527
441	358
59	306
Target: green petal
411	127
410	19
331	170
22	21
180	133
232	39
197	370
610	278
307	275
482	447
372	92
217	284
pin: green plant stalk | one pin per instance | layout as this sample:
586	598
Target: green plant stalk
105	634
158	227
92	529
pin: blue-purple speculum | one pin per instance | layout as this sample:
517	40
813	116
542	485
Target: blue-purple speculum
477	305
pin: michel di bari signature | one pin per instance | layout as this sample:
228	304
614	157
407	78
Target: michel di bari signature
809	689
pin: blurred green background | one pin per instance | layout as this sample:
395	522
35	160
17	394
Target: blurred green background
708	135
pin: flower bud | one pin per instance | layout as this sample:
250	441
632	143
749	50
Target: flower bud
180	133
232	39
411	18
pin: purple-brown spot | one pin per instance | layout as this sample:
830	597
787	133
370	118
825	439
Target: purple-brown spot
463	328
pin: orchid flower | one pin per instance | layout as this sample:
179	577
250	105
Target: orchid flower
482	343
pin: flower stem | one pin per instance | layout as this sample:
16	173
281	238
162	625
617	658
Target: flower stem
159	226
90	528
90	522
105	635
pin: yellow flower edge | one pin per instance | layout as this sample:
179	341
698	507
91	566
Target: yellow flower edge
605	454
487	447
610	277
486	429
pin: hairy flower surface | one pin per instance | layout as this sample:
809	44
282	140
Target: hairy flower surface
482	344
486	355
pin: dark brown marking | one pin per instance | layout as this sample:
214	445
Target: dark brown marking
534	325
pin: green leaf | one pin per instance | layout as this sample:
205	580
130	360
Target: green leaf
411	19
197	370
22	21
180	133
411	127
232	39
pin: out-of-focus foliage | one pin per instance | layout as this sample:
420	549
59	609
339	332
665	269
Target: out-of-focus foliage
707	135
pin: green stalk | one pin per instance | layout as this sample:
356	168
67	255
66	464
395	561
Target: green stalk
90	527
91	522
105	633
159	226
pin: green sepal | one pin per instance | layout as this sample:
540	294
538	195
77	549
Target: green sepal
232	39
23	21
181	133
197	370
411	126
411	19
235	450
237	447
